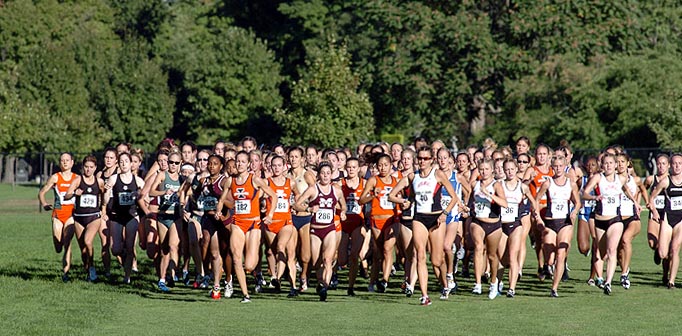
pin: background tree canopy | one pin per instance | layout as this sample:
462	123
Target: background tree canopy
79	75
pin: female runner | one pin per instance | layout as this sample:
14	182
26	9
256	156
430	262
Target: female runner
517	195
383	217
607	220
125	191
245	238
558	220
280	232
321	200
631	223
487	198
429	217
165	186
670	235
62	210
88	191
452	221
352	228
302	179
110	168
653	226
535	177
406	217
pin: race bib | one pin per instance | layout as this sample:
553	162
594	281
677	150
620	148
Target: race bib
126	198
352	206
676	203
241	207
282	205
590	203
88	201
659	202
445	201
511	213
207	203
385	204
482	209
559	210
324	216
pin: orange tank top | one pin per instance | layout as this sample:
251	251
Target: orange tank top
246	203
61	187
381	206
283	202
537	182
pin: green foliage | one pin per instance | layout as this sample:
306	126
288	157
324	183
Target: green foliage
326	108
23	126
224	75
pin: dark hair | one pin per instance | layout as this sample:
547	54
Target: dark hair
222	159
250	138
191	145
90	158
243	152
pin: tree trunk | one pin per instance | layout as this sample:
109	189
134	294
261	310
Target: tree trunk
8	177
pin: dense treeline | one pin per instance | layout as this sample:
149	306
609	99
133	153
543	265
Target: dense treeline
78	75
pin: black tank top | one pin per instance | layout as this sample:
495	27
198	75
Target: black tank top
673	198
125	197
88	203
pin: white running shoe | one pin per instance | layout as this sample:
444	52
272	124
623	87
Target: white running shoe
452	284
229	290
493	291
478	289
500	286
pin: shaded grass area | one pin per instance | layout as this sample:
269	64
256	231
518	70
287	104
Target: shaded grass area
36	302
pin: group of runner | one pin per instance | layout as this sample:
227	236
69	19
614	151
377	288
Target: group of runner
323	212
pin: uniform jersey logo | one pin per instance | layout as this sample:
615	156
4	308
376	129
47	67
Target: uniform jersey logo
241	193
326	202
281	194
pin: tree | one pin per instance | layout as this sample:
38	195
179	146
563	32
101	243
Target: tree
326	108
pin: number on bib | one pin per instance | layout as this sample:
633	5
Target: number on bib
352	205
88	201
125	198
384	203
445	201
282	205
559	210
659	202
676	203
511	213
324	216
242	207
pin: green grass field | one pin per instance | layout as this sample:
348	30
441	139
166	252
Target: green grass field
34	301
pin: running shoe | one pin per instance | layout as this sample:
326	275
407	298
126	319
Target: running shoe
444	293
370	288
607	289
204	282
478	289
550	270
335	281
304	284
381	286
185	278
323	294
564	277
485	278
600	283
65	277
492	293
671	285
553	293
500	286
274	283
452	286
229	290
92	274
246	299
350	292
126	281
591	282
298	267
409	291
403	286
657	257
163	287
511	293
260	279
425	301
259	288
292	293
215	293
393	270
625	281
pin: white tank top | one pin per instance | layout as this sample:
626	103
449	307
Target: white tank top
482	203
627	206
558	200
610	192
427	192
514	198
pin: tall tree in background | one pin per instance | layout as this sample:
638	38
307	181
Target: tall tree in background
326	107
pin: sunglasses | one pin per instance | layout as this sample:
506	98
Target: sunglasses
422	158
202	159
174	162
521	161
